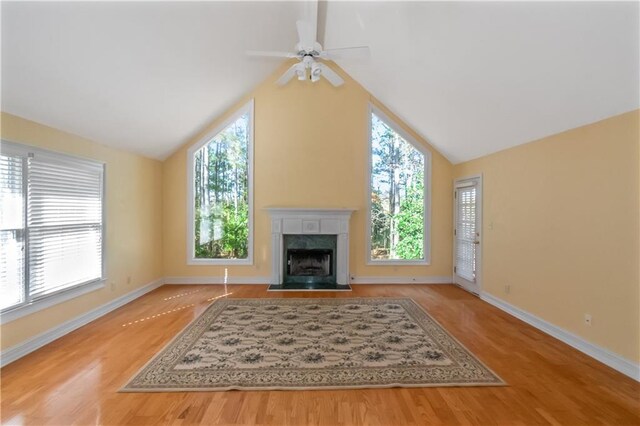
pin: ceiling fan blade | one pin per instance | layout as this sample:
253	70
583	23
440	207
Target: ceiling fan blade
271	54
306	35
288	75
356	52
331	75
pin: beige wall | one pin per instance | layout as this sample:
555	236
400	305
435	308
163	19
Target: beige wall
561	227
310	151
133	224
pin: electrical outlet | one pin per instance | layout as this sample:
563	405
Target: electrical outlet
587	319
507	289
129	279
113	286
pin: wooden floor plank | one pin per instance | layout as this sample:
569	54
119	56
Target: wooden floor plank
75	380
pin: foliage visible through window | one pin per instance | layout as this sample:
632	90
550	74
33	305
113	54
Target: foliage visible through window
221	171
397	196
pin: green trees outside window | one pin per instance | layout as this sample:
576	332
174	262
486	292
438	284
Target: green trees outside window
397	195
221	192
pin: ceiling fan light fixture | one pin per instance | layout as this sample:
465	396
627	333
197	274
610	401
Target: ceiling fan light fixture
301	72
316	70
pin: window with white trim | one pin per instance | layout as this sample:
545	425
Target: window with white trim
398	222
220	166
51	224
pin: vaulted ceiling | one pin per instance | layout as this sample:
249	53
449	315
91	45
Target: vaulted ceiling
471	77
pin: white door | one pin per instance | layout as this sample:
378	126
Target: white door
467	244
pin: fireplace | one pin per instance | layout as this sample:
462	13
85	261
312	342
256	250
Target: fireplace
309	248
309	259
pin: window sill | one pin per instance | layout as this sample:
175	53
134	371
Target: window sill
220	262
398	262
54	299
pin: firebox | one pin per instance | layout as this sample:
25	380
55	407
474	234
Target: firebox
306	263
309	259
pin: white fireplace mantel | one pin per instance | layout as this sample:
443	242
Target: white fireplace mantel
288	221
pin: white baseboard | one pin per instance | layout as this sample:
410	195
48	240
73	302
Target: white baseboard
13	353
354	280
605	356
402	280
217	280
267	280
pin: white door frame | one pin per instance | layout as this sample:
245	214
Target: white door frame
457	183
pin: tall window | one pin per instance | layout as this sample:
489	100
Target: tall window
398	189
51	224
220	193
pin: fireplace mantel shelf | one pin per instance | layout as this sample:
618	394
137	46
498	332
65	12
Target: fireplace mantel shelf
308	211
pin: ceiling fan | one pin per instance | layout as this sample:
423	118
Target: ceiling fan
310	53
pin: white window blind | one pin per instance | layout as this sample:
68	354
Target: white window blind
466	233
64	212
57	242
12	271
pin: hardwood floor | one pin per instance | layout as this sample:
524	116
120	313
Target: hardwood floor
74	380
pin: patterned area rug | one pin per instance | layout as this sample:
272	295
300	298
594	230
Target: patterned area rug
311	344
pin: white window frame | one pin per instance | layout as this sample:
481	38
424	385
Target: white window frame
30	306
248	108
427	190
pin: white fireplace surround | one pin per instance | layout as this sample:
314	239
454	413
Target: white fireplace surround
309	221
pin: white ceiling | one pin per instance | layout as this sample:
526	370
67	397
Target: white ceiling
141	76
472	78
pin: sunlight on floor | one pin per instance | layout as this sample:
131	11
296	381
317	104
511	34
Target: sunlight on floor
176	309
219	297
158	315
182	295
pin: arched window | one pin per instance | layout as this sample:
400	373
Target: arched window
220	220
399	182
